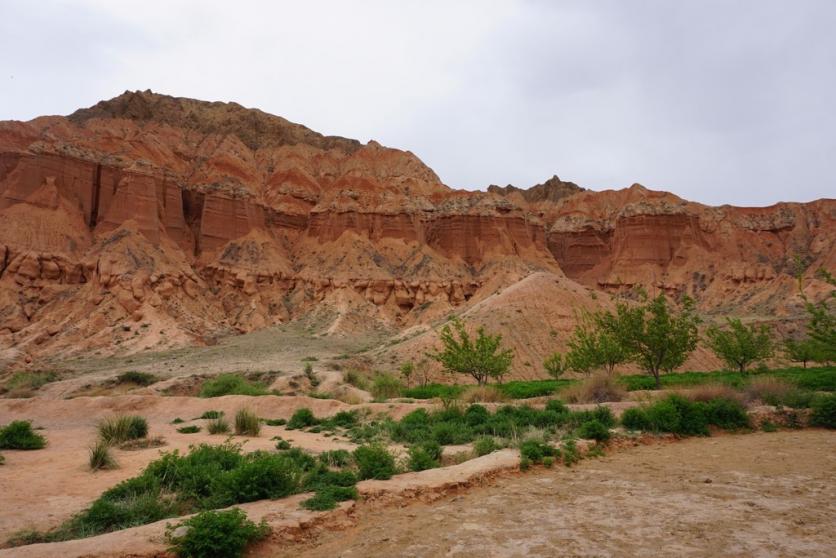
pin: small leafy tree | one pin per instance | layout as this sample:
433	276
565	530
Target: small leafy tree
803	350
407	369
593	346
821	329
739	345
482	358
555	365
655	337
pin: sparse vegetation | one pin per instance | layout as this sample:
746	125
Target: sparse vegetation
302	418
218	425
122	428
597	388
484	445
190	429
211	414
824	411
137	378
19	435
386	386
374	462
211	534
100	457
231	384
247	423
24	384
426	455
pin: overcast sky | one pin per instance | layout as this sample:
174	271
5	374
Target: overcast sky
728	101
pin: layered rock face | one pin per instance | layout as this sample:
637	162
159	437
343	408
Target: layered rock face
150	220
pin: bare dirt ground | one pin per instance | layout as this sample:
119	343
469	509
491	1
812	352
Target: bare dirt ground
742	495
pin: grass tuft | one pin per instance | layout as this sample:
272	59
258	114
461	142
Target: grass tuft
247	423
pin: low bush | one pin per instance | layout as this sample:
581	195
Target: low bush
121	428
484	394
526	389
708	392
768	389
434	391
678	415
302	418
211	414
24	384
335	458
593	430
327	498
374	462
535	450
19	435
282	445
525	464
824	411
247	423
386	386
484	446
275	422
600	387
137	378
424	456
569	453
218	425
190	429
230	384
210	534
100	457
548	462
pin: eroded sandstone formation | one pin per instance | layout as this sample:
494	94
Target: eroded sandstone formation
150	220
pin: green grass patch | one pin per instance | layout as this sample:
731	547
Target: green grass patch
137	378
231	384
191	429
121	428
19	435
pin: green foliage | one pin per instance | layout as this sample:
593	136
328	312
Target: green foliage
247	423
22	384
302	418
554	365
521	389
534	450
525	464
548	462
821	327
386	386
484	445
424	456
327	498
654	336
482	358
374	462
230	384
739	345
407	369
309	374
335	458
593	430
100	457
433	391
803	350
570	453
824	411
138	378
342	419
282	445
678	415
177	420
121	428
190	429
275	422
18	434
210	534
211	414
218	425
593	345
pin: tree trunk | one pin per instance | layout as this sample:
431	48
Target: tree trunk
658	379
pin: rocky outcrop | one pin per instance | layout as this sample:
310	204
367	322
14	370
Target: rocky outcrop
149	220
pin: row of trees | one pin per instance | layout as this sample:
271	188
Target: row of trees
652	334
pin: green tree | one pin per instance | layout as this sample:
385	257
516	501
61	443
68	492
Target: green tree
821	329
739	345
655	336
594	346
555	365
803	350
407	369
481	358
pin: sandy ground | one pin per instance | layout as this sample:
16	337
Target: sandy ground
743	495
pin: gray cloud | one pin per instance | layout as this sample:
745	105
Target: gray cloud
718	101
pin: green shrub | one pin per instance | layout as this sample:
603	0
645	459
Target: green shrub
302	418
569	452
190	429
727	414
548	462
635	418
824	411
386	386
768	426
374	462
484	446
283	445
262	475
525	464
211	414
275	422
327	498
178	420
2	460
100	457
230	384
335	458
121	428
210	534
342	419
218	425
594	430
535	451
19	435
556	406
423	456
138	378
247	423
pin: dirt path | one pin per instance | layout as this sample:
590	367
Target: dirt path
743	495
